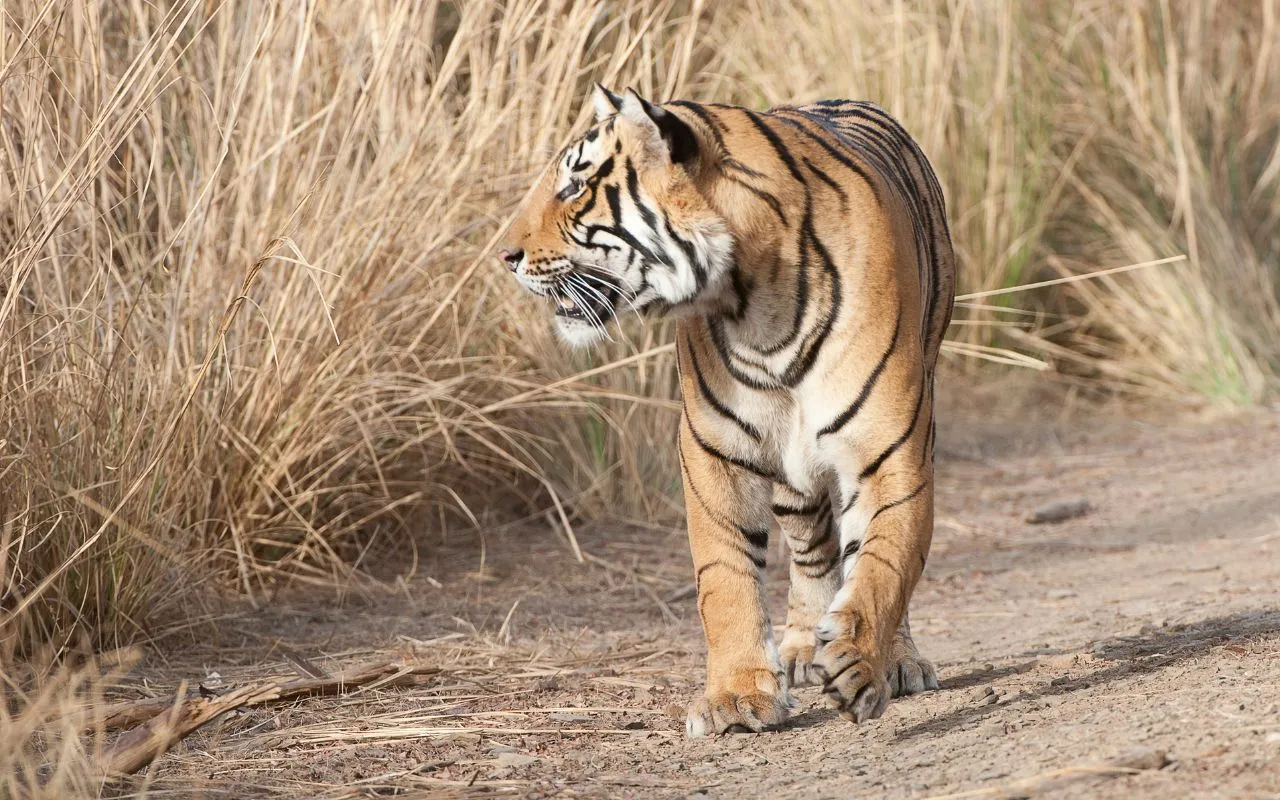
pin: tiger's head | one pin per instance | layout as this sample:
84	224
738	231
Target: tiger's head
618	223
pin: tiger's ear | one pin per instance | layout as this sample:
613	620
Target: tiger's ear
605	102
668	132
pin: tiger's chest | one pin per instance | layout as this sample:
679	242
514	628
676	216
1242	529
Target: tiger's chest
776	431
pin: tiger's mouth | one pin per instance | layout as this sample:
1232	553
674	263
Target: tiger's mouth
578	298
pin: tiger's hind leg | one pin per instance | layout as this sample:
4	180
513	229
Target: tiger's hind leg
909	672
808	527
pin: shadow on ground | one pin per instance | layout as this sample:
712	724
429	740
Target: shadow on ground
1131	655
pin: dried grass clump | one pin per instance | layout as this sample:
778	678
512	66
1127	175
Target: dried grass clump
248	319
249	324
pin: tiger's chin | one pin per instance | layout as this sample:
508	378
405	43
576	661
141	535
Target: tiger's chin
580	333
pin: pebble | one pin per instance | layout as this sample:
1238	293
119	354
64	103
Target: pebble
985	696
1059	512
516	759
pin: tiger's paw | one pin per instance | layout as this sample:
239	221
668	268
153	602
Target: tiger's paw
721	712
797	652
853	677
909	672
851	681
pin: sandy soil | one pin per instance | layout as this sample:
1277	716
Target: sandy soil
1153	622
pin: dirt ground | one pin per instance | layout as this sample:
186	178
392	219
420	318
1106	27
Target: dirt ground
1151	623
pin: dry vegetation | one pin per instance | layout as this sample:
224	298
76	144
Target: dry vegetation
249	321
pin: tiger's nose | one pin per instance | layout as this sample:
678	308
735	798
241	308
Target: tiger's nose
511	257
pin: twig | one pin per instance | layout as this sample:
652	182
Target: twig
169	723
1071	278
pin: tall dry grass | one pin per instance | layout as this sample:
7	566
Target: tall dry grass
249	324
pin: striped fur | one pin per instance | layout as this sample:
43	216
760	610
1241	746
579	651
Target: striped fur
806	252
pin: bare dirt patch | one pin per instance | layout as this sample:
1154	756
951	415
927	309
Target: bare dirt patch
1151	622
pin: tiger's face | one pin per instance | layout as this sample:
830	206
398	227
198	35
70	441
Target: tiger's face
617	222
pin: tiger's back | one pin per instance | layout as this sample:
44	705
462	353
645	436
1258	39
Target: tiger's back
806	251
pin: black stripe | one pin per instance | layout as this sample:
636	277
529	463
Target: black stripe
710	396
804	511
604	171
849	163
711	450
827	179
712	122
827	567
851	549
690	253
613	196
802	298
778	146
697	576
875	465
904	499
741	292
870	383
895	569
827	685
807	355
633	189
724	522
767	197
821	560
823	537
722	350
757	539
850	503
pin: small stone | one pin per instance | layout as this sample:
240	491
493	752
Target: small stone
1059	594
984	696
516	759
1059	512
460	738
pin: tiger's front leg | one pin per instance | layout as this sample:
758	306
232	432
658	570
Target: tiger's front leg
729	520
886	527
867	655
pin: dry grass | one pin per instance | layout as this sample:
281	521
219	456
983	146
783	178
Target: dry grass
249	327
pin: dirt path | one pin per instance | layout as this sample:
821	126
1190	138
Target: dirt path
1153	622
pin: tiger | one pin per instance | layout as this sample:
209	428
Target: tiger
805	257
